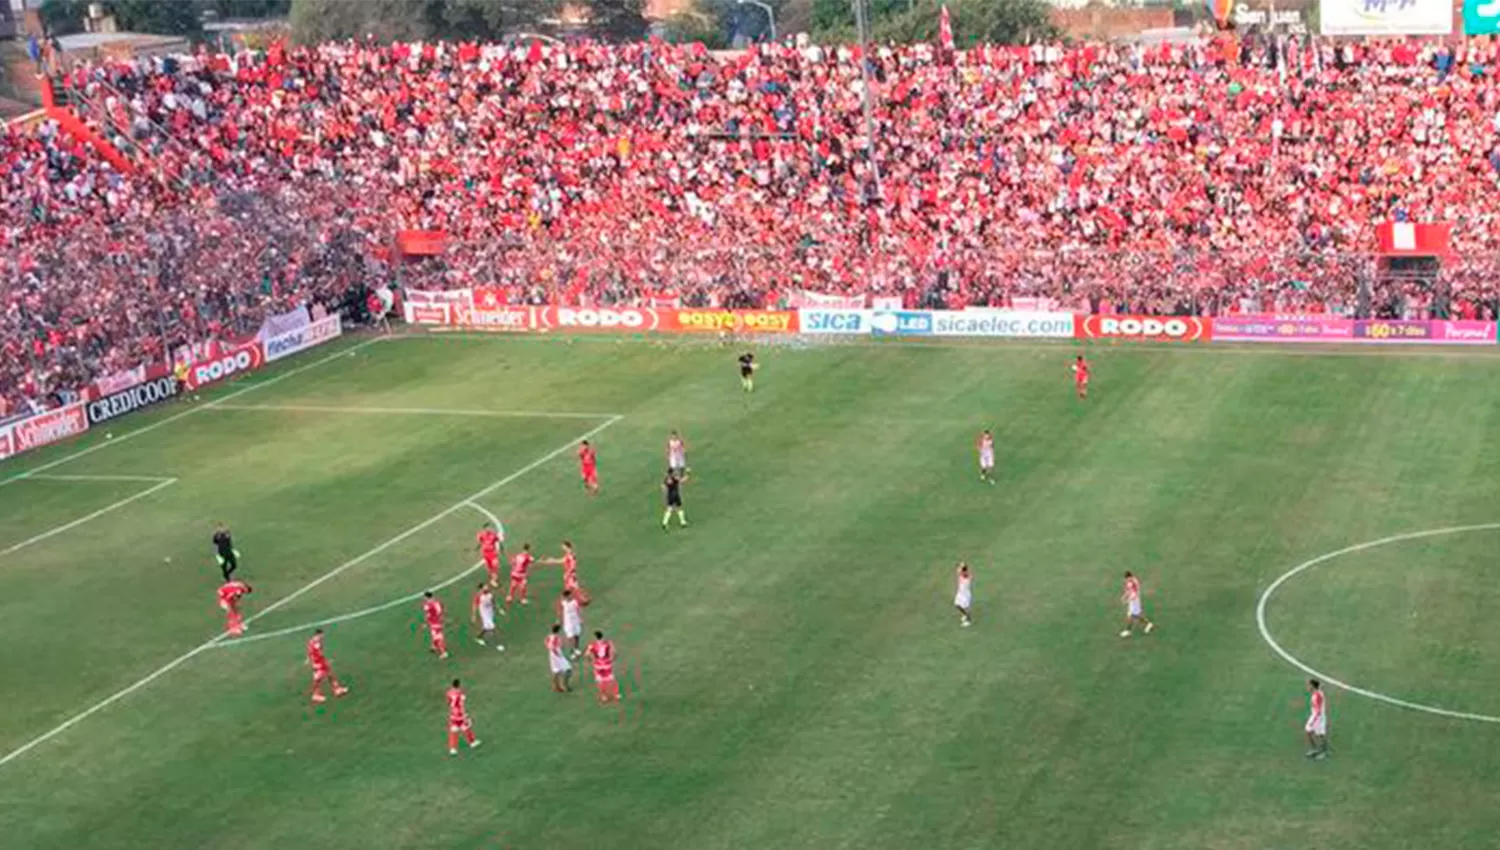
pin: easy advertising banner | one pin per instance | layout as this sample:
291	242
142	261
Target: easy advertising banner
1385	17
729	321
1481	17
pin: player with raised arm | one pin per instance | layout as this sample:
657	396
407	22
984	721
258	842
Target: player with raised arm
459	722
963	597
1317	720
484	614
569	562
230	593
557	661
588	467
671	487
224	551
602	655
520	569
432	614
1132	599
490	541
320	669
571	616
677	455
1081	377
987	456
747	372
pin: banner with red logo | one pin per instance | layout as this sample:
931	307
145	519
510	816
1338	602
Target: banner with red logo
43	428
807	298
589	319
7	446
1157	328
730	321
1336	329
233	361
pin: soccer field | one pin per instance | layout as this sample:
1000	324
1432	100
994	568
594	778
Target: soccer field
794	673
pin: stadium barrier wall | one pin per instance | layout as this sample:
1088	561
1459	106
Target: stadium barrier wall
156	384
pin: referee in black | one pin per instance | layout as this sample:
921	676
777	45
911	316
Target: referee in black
672	487
229	559
747	372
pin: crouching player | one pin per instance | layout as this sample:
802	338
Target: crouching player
230	593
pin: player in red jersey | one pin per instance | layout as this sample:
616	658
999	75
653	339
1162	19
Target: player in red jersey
490	542
319	664
520	568
458	719
602	654
987	456
569	562
230	593
1081	376
1132	599
1317	721
588	466
557	661
432	613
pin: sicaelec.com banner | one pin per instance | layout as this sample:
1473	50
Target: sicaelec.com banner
1002	323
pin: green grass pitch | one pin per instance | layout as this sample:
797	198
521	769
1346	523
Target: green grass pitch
794	674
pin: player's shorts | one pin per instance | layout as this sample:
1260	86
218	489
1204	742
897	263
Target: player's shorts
674	501
1082	382
322	673
487	621
459	724
1317	725
492	561
517	585
232	558
1134	607
436	633
746	371
559	665
591	475
604	677
986	459
963	600
572	628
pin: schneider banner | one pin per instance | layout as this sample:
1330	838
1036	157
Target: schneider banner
1386	17
1332	329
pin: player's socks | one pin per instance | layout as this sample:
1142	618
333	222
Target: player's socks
452	751
682	519
318	697
340	691
474	743
499	647
452	743
1125	633
1149	627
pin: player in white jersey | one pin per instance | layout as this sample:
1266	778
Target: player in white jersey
1132	599
557	661
484	614
963	598
987	456
1317	720
677	455
570	613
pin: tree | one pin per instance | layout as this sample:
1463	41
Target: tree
385	20
617	20
974	21
689	27
159	17
227	9
489	20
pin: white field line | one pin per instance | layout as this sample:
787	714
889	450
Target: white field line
160	484
416	411
221	638
49	477
1265	632
186	413
385	606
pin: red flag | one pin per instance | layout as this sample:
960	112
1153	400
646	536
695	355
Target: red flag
945	30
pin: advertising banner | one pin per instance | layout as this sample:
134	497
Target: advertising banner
285	322
7	446
291	342
427	297
1481	17
43	428
428	314
137	397
501	317
807	298
729	321
1366	331
1158	328
817	320
901	323
1386	17
244	358
1002	323
121	380
637	319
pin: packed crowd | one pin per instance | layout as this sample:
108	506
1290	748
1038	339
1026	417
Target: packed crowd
1209	177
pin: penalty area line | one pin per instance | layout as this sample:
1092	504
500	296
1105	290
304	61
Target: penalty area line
416	411
374	609
221	638
161	484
